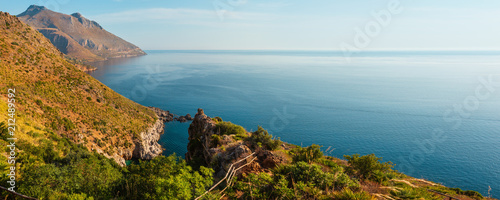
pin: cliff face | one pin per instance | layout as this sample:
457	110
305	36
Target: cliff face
88	40
147	147
67	45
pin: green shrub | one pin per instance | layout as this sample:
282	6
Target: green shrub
307	173
228	128
68	124
262	138
255	186
367	167
15	43
470	193
216	139
308	154
4	132
217	119
348	194
39	102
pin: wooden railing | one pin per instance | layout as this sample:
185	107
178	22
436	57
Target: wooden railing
229	175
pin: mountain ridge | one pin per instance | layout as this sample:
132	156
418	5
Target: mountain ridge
83	39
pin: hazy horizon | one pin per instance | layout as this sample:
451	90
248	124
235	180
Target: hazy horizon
291	25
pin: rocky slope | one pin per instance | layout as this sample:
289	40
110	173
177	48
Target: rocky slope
77	36
54	97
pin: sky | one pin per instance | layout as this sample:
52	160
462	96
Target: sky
290	24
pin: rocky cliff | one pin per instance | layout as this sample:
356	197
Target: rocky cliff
147	147
77	36
209	146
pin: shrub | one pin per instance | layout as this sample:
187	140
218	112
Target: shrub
307	173
14	43
367	166
262	138
38	102
217	119
470	193
228	128
255	186
348	194
308	154
68	124
4	131
216	140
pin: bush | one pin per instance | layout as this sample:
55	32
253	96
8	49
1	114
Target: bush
255	186
367	167
470	193
262	138
217	119
308	154
4	132
307	173
68	124
348	194
228	128
216	140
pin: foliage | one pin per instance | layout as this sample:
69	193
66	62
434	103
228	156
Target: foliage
262	138
308	154
255	186
296	181
367	167
348	194
165	178
228	128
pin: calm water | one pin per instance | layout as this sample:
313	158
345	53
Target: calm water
398	105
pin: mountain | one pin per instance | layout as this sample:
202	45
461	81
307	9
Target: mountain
76	36
55	98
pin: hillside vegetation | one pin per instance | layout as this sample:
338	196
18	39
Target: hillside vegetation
54	97
68	123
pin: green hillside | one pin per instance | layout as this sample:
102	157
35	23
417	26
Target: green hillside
53	97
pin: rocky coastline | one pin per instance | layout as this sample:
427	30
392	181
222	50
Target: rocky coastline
146	147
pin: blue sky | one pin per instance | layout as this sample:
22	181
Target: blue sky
290	24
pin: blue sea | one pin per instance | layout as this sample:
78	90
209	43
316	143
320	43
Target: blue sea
436	115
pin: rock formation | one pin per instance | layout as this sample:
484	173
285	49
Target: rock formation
147	147
220	155
76	36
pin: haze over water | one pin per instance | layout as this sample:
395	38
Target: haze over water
387	103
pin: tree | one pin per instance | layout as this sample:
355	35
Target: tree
367	166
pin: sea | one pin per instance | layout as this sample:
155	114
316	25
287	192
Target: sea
434	114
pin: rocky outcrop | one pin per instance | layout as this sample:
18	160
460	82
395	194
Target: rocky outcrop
147	147
166	116
163	115
200	132
208	146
